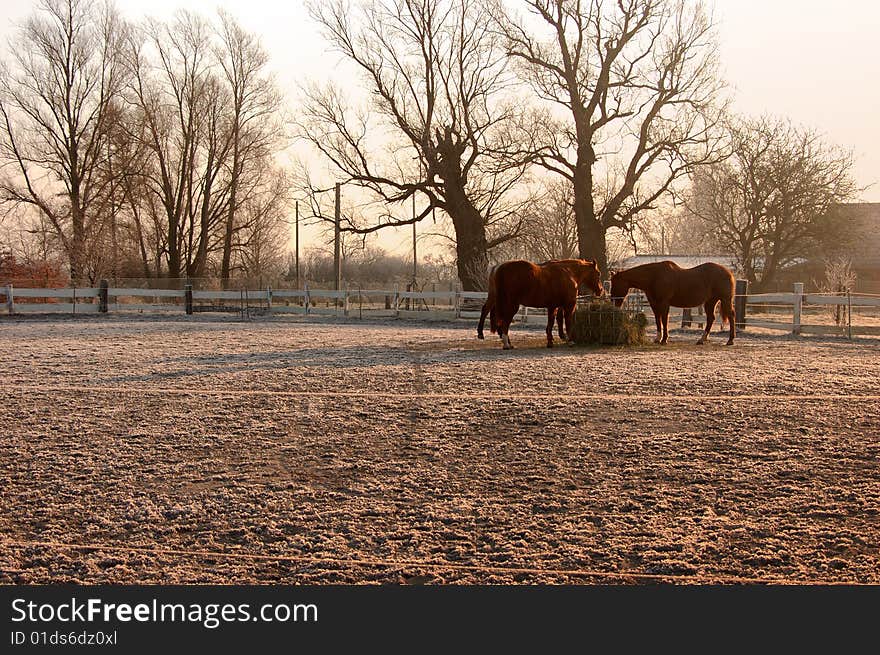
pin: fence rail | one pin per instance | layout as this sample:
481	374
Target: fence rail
407	304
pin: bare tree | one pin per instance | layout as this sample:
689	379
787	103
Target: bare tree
839	278
632	101
172	91
254	106
549	229
438	126
56	105
261	235
774	201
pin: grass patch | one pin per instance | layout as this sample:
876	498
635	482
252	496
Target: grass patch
601	323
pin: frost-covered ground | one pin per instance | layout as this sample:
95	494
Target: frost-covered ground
299	451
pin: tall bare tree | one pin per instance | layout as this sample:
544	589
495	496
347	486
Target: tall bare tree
437	127
181	106
254	106
56	106
631	92
775	200
261	242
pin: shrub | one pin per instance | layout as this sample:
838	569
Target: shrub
602	323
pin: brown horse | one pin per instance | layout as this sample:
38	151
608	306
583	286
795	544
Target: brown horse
666	284
489	308
553	285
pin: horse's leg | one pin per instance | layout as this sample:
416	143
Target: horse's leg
505	318
551	317
560	318
655	309
664	322
569	319
709	306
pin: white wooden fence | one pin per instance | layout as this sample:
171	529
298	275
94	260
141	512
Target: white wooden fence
436	305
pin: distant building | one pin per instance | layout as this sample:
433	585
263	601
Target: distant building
866	251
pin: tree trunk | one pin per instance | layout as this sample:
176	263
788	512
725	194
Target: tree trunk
591	244
226	265
174	255
470	240
590	231
200	263
473	260
78	243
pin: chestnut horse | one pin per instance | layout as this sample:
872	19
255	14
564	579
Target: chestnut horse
553	285
489	308
666	284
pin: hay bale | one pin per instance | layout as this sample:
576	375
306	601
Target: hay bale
602	323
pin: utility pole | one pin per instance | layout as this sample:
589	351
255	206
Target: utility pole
337	268
415	260
297	244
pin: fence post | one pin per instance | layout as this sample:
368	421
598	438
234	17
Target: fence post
269	298
686	317
798	304
397	301
103	297
307	298
739	303
188	298
345	302
10	303
849	313
525	316
457	302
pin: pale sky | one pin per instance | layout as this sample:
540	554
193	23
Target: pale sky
813	61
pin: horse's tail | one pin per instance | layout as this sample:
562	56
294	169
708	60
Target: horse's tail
489	305
488	308
483	312
728	310
493	327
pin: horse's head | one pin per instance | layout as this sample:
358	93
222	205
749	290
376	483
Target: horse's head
589	276
619	289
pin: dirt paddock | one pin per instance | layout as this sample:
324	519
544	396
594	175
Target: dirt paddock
295	451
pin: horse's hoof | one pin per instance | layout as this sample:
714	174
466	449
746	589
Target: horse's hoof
549	344
701	342
729	343
479	336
